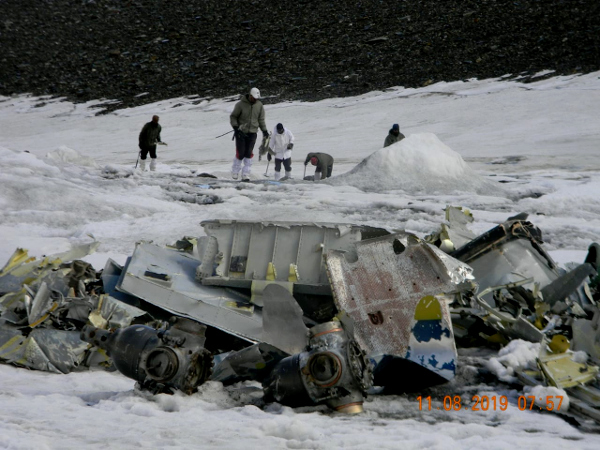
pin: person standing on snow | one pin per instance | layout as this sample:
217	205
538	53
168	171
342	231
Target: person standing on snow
247	116
393	136
149	137
324	163
281	144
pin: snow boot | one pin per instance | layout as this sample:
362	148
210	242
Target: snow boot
247	168
235	168
143	165
288	174
277	175
153	164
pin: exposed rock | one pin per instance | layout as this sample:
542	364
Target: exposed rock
308	50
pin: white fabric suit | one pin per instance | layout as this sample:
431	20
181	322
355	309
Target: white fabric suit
279	145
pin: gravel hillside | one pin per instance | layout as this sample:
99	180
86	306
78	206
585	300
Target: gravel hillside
139	51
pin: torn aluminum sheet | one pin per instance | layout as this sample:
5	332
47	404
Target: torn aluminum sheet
109	313
511	326
396	290
454	233
50	350
38	320
240	253
60	296
510	252
333	370
21	267
530	315
160	360
165	278
586	336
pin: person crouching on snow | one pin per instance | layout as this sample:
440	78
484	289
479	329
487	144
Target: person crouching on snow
324	163
281	144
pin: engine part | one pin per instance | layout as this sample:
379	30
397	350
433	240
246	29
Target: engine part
333	370
160	360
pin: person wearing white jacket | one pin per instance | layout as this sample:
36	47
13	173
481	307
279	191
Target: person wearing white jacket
281	144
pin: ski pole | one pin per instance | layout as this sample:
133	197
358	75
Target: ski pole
138	160
304	176
224	134
268	162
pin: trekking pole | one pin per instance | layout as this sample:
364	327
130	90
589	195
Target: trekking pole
138	160
268	162
224	134
304	176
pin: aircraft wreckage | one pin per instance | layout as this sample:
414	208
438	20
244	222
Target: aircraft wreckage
319	313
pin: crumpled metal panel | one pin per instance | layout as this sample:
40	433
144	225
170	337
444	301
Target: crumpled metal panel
56	351
508	253
586	336
513	261
454	233
165	278
381	289
21	267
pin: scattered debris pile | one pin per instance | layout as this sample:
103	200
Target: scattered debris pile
319	313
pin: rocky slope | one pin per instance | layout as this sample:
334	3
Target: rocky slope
139	51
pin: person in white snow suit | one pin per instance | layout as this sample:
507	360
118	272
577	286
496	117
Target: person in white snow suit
247	116
281	145
149	137
393	136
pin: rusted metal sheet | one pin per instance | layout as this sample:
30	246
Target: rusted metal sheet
380	287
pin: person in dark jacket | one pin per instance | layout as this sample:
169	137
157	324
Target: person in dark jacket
247	116
149	137
393	136
324	163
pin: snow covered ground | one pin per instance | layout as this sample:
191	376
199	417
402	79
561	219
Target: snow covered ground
496	147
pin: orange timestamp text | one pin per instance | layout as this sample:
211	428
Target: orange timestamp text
492	403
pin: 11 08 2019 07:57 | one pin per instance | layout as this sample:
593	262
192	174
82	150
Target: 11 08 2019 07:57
492	402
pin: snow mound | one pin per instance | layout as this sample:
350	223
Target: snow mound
15	164
419	164
67	155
